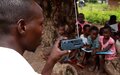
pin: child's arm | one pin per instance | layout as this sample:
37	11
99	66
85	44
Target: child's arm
100	47
97	49
108	47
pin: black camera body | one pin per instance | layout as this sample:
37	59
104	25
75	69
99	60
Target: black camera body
71	44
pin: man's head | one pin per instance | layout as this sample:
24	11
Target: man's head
22	19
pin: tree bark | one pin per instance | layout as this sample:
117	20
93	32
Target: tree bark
56	12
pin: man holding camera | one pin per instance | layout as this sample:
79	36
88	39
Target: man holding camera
21	26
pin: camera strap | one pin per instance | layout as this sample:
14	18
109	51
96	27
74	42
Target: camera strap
77	27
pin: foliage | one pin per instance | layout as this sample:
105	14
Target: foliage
99	13
93	1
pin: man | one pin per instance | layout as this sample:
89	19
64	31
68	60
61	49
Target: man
21	25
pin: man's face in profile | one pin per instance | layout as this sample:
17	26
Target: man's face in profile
34	29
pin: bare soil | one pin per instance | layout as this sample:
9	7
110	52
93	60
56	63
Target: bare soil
37	61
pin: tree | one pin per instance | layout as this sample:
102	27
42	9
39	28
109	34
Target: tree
55	13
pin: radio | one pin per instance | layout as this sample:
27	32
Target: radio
71	44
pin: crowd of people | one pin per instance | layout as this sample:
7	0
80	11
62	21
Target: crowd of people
95	40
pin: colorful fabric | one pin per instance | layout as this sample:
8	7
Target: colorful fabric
112	49
82	25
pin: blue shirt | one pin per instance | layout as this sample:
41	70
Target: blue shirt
93	43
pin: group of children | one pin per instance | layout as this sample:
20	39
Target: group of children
96	40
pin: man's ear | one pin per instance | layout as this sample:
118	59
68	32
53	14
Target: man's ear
21	26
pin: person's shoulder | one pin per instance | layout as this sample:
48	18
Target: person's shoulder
89	39
112	40
86	22
4	50
82	35
11	53
15	63
107	22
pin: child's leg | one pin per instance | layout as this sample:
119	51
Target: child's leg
72	54
97	62
86	58
102	62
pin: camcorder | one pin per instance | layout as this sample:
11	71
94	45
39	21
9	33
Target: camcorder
71	44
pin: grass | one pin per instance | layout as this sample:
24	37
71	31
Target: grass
99	13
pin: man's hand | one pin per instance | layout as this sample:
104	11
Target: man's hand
55	55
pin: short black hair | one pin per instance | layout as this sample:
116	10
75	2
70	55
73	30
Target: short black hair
94	28
107	27
13	10
81	14
85	26
113	17
101	31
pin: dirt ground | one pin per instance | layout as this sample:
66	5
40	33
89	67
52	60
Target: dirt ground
37	61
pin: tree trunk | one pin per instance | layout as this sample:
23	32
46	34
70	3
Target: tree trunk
55	13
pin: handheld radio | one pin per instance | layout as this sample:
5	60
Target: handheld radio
72	44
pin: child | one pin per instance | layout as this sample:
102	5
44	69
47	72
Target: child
108	44
61	31
85	34
93	42
81	20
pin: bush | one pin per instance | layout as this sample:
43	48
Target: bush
93	1
99	13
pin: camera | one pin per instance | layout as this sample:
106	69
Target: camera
71	44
